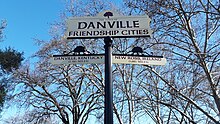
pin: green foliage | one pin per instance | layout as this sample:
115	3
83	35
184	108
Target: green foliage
2	96
10	59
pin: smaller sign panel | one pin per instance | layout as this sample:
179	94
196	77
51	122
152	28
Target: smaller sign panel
79	59
142	60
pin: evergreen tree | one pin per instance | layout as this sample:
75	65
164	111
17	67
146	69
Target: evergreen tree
9	59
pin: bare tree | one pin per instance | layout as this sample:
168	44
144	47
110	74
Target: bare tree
70	92
188	31
29	118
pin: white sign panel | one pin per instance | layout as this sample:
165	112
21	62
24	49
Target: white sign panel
139	60
108	23
99	59
77	59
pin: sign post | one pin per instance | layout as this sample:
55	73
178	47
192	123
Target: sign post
108	112
107	25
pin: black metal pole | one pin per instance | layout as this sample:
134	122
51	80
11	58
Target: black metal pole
108	112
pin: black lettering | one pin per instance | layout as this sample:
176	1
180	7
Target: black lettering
117	24
83	33
111	25
123	57
145	31
117	57
91	25
82	25
101	25
75	33
140	61
128	25
121	25
139	31
124	32
95	33
70	33
89	33
136	24
115	32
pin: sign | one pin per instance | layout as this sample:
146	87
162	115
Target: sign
77	59
99	59
108	23
142	60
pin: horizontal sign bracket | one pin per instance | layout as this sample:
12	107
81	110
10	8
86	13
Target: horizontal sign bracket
112	54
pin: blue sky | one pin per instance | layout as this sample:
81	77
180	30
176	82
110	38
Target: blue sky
26	20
